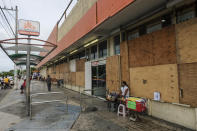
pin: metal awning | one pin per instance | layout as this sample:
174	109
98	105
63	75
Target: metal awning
17	56
24	48
24	63
17	52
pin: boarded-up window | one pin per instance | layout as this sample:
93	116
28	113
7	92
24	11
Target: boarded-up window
144	81
188	83
113	73
153	49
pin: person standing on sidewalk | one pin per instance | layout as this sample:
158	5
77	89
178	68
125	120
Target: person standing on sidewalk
48	80
23	86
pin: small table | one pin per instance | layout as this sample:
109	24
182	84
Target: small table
112	103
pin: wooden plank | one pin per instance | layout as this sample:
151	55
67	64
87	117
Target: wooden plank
61	68
113	73
140	51
164	46
80	66
153	49
80	79
57	71
73	78
144	81
188	83
124	62
186	33
66	78
66	67
50	70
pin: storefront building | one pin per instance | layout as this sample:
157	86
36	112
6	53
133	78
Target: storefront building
150	44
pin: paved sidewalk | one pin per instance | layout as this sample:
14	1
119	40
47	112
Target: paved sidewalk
8	116
49	117
52	117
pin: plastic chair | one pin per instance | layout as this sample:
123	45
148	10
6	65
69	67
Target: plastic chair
121	110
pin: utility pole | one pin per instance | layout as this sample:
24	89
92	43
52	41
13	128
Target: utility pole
16	51
28	76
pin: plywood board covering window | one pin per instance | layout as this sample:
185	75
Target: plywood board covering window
188	84
66	67
67	78
80	65
144	81
187	41
156	48
124	62
80	79
113	73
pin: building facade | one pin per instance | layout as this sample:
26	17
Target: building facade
150	44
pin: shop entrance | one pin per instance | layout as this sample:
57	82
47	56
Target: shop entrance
99	78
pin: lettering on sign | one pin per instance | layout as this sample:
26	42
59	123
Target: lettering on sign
27	27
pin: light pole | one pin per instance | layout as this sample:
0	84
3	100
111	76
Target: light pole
16	50
28	75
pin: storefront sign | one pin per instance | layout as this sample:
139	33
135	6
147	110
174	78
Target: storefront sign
27	27
96	63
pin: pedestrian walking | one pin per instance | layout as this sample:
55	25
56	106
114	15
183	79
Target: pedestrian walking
23	86
48	80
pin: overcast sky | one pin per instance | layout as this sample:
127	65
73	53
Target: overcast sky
47	12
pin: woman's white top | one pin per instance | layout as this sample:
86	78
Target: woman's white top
123	89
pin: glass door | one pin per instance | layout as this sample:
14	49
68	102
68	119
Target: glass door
99	80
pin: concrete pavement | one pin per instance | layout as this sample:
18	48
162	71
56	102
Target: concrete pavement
49	117
53	116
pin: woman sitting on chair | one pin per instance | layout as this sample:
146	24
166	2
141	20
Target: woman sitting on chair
124	91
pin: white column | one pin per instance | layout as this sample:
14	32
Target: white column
196	118
88	77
